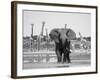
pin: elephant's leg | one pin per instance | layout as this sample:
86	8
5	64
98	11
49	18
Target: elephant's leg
68	57
64	57
59	57
67	52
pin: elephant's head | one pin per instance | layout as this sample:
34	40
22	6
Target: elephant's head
62	34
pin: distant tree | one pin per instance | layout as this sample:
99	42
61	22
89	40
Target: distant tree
78	39
35	37
87	38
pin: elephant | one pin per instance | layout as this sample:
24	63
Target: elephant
62	38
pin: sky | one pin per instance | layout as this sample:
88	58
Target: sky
79	22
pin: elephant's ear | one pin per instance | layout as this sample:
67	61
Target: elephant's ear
57	33
70	34
54	34
67	32
57	37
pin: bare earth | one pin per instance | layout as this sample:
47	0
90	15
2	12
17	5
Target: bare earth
77	60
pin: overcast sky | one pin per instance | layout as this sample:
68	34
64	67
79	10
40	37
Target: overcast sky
79	22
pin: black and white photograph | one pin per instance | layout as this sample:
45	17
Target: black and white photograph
53	39
56	39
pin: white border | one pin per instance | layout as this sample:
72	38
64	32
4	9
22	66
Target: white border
21	72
